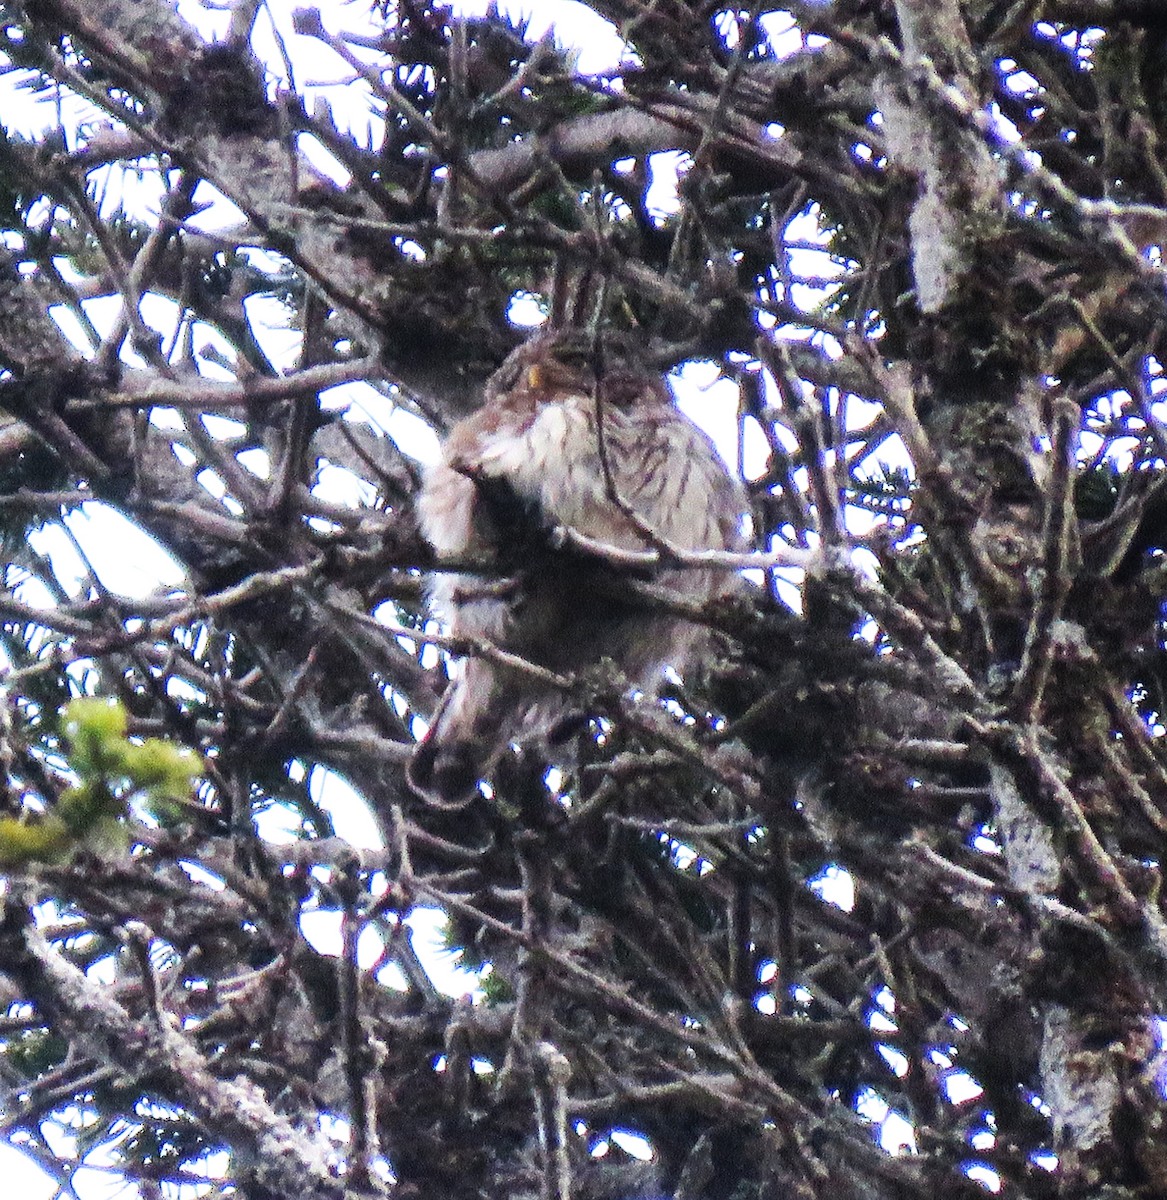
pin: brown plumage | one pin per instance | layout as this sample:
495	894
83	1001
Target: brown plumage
528	461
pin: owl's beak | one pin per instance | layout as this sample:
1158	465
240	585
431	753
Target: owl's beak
535	378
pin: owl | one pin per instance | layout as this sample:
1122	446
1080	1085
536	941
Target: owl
573	432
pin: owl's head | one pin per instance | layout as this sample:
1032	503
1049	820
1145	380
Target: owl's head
562	362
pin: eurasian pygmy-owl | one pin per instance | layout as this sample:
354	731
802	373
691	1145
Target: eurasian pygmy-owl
531	459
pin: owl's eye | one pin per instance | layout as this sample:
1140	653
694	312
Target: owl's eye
622	389
577	358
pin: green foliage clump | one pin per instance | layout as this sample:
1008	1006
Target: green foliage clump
110	770
35	1051
1097	491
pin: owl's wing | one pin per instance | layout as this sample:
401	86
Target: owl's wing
674	479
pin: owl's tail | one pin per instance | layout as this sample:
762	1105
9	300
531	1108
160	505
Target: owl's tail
463	742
